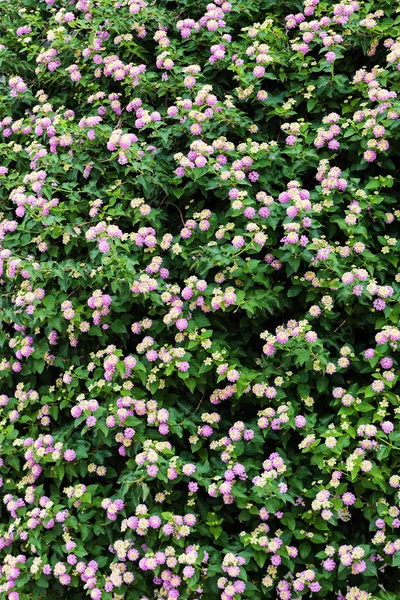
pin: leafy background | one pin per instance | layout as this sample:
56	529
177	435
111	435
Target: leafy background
199	320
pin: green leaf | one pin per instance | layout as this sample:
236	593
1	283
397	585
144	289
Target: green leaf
118	326
191	383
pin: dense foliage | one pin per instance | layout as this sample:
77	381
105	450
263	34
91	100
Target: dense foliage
199	259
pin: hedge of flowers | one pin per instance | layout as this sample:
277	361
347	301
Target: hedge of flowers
199	326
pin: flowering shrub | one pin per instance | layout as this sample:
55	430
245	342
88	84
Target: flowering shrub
199	300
